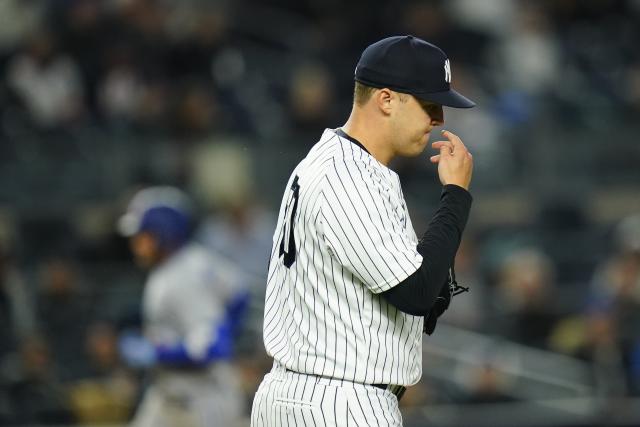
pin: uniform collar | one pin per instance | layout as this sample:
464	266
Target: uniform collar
343	134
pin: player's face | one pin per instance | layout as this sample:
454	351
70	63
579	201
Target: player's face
413	122
145	250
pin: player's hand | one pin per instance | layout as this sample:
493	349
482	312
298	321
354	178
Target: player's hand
136	351
455	163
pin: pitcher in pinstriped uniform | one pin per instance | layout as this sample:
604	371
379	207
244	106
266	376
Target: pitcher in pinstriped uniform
351	288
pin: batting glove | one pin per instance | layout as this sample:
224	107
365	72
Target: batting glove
136	351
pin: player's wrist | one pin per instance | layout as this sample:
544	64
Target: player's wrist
461	185
458	193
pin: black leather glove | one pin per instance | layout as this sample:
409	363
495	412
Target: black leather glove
449	290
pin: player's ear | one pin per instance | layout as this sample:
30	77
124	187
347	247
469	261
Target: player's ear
384	100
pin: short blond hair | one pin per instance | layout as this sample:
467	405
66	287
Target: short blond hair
362	93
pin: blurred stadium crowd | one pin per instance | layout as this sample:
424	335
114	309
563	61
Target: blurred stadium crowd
101	97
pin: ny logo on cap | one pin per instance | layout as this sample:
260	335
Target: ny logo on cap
447	71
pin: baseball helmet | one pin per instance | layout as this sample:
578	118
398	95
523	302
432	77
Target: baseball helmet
164	212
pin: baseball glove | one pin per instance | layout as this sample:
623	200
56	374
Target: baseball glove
449	290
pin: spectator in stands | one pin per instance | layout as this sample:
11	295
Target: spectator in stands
17	321
48	82
525	305
64	308
18	19
487	385
17	318
311	103
121	90
36	394
617	281
106	394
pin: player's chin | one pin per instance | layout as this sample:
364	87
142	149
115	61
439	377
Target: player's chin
415	150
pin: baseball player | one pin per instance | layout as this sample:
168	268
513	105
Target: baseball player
192	304
350	287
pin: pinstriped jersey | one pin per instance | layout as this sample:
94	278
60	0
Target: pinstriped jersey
343	236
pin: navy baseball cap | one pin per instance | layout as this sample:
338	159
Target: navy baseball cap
410	65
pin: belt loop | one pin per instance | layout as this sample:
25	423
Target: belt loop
278	370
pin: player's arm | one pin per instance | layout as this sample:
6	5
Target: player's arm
209	337
209	340
417	293
211	315
365	234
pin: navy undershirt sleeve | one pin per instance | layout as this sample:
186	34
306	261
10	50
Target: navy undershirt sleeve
417	293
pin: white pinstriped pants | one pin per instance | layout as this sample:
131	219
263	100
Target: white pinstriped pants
287	398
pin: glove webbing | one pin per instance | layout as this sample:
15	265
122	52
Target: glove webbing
449	290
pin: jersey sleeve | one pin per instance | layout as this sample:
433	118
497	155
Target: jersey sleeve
362	226
197	301
200	312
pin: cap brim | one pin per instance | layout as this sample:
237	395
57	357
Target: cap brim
448	98
128	224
